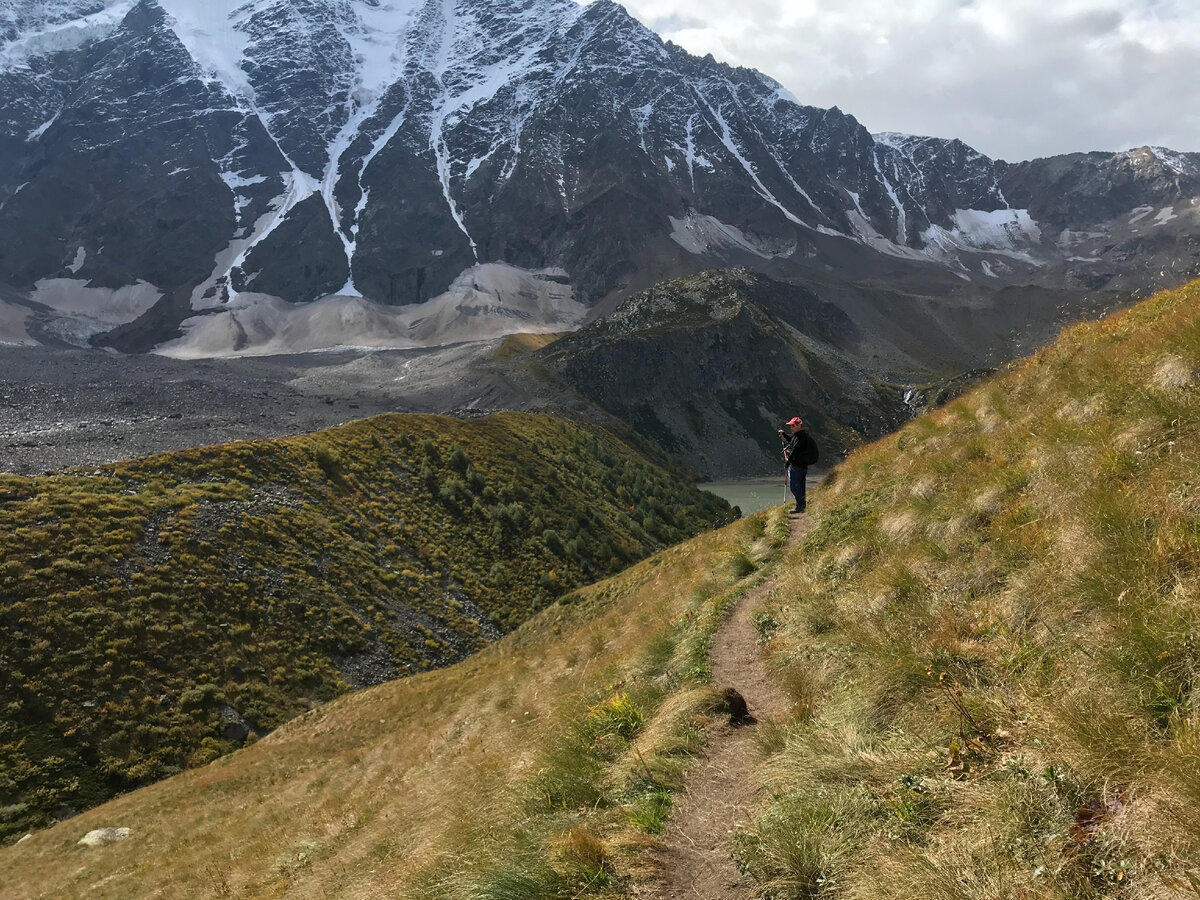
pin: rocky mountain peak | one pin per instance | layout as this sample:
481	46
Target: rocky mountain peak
223	151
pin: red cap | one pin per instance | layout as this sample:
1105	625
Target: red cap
795	420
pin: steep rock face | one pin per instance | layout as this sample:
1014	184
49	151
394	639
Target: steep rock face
1073	191
707	367
302	148
110	177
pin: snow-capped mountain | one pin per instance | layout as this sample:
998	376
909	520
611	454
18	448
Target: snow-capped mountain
200	155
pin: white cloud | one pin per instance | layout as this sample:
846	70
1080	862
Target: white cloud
1013	78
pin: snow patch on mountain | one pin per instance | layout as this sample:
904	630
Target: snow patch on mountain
37	133
1006	232
1138	213
1165	215
999	229
208	30
297	188
727	138
902	142
44	28
1178	163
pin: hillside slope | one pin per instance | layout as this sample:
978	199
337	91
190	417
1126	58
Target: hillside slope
708	366
158	613
988	636
991	637
540	767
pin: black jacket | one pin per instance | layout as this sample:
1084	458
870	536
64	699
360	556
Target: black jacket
797	446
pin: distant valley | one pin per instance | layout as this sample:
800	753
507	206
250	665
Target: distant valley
408	184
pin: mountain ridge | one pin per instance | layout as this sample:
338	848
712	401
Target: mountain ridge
160	612
549	136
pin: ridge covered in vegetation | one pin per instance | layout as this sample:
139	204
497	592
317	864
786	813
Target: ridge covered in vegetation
992	637
159	613
542	766
989	637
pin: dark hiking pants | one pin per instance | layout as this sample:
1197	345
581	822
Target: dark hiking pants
797	475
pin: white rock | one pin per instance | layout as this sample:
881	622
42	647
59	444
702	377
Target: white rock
1174	374
102	837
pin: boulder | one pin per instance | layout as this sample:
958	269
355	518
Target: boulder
102	837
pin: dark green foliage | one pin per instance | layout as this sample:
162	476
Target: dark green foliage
160	613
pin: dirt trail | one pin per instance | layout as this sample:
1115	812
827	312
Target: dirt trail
695	861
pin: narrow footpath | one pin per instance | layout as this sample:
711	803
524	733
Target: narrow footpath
696	861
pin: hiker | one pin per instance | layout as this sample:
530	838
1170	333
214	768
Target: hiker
799	452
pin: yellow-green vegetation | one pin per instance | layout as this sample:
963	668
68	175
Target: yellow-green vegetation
989	636
992	635
541	767
159	613
519	344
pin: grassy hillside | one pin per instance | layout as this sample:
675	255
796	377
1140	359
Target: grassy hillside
989	637
159	613
540	767
993	638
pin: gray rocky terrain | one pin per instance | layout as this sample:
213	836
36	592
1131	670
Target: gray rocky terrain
703	368
215	167
61	408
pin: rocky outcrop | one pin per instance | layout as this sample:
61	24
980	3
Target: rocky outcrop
103	837
708	367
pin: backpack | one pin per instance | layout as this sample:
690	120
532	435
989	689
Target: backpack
810	453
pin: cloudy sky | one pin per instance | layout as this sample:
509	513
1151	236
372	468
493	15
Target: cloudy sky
1015	79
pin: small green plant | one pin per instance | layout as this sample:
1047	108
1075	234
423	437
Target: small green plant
617	715
650	809
741	565
766	623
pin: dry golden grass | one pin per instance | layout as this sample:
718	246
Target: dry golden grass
992	632
418	787
1003	603
517	344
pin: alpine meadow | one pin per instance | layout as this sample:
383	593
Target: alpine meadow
987	636
378	378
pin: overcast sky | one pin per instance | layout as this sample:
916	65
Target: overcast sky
1015	79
